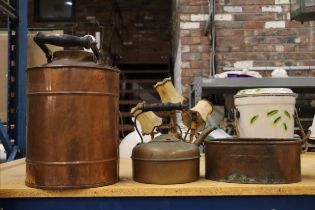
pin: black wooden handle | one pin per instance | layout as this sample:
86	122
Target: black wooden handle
162	107
65	40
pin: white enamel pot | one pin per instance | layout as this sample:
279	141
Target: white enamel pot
265	113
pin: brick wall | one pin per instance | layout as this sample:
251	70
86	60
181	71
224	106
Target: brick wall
260	33
194	46
248	34
141	25
138	27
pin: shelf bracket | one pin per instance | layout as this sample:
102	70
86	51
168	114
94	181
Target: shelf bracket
4	139
16	97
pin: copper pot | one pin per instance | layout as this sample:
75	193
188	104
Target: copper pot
245	160
72	118
167	160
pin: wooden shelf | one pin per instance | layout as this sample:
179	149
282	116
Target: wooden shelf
13	174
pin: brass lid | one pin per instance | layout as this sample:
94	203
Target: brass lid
165	148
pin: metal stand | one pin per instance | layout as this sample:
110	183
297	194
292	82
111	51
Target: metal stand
202	86
13	136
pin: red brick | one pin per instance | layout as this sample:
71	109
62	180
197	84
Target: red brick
223	48
259	48
199	2
190	40
196	64
195	32
229	24
265	32
303	31
230	41
188	72
186	88
191	72
229	32
191	56
206	64
285	8
250	2
205	40
306	63
200	48
250	32
245	38
254	24
205	72
253	17
296	24
251	8
186	80
191	9
184	33
200	64
219	55
184	2
205	56
299	48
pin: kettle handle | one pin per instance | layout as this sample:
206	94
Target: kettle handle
161	107
65	40
305	136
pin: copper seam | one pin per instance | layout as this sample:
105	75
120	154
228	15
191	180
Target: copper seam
165	160
68	162
72	93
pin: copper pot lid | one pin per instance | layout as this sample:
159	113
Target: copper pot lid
253	141
165	148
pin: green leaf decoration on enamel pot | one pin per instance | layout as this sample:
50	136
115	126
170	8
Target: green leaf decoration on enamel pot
253	119
285	126
276	120
272	112
286	113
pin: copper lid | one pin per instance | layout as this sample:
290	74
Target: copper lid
165	148
74	58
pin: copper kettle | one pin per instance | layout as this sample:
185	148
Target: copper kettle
167	159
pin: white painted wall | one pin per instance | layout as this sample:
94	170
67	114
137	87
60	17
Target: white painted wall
177	68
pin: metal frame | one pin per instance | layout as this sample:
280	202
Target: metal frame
302	13
195	91
163	203
16	117
202	86
7	9
270	68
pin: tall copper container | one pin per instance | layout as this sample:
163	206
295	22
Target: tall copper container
72	123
